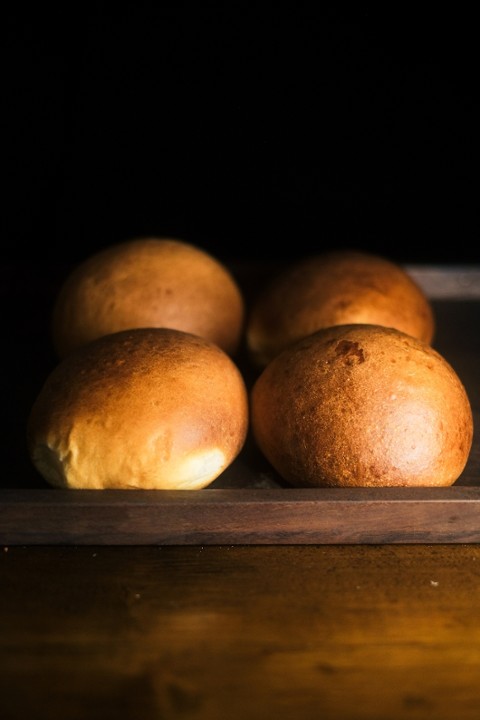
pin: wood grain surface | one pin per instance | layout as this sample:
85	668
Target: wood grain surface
241	516
245	633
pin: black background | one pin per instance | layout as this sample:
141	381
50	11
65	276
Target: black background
256	130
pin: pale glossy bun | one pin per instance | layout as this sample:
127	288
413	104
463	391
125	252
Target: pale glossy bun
335	288
362	405
147	408
149	282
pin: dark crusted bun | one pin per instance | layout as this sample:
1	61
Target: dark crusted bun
362	405
149	282
335	288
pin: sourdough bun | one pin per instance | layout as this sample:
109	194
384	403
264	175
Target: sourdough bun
148	282
335	288
362	405
148	408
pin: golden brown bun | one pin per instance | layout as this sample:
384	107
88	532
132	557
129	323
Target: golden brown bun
148	282
335	288
362	405
149	408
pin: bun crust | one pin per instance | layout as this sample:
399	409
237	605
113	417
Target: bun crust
335	288
362	405
147	408
148	282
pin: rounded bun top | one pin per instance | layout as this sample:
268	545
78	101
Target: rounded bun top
149	282
362	405
335	288
147	408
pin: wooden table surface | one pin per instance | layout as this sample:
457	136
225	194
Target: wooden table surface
249	632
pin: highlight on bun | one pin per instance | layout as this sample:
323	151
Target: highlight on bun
147	408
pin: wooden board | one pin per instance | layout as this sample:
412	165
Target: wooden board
243	516
250	503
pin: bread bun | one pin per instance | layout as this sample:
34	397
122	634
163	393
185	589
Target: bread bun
147	408
335	288
362	405
148	282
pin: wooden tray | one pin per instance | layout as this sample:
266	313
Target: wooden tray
249	503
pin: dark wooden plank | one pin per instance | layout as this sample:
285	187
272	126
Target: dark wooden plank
243	516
